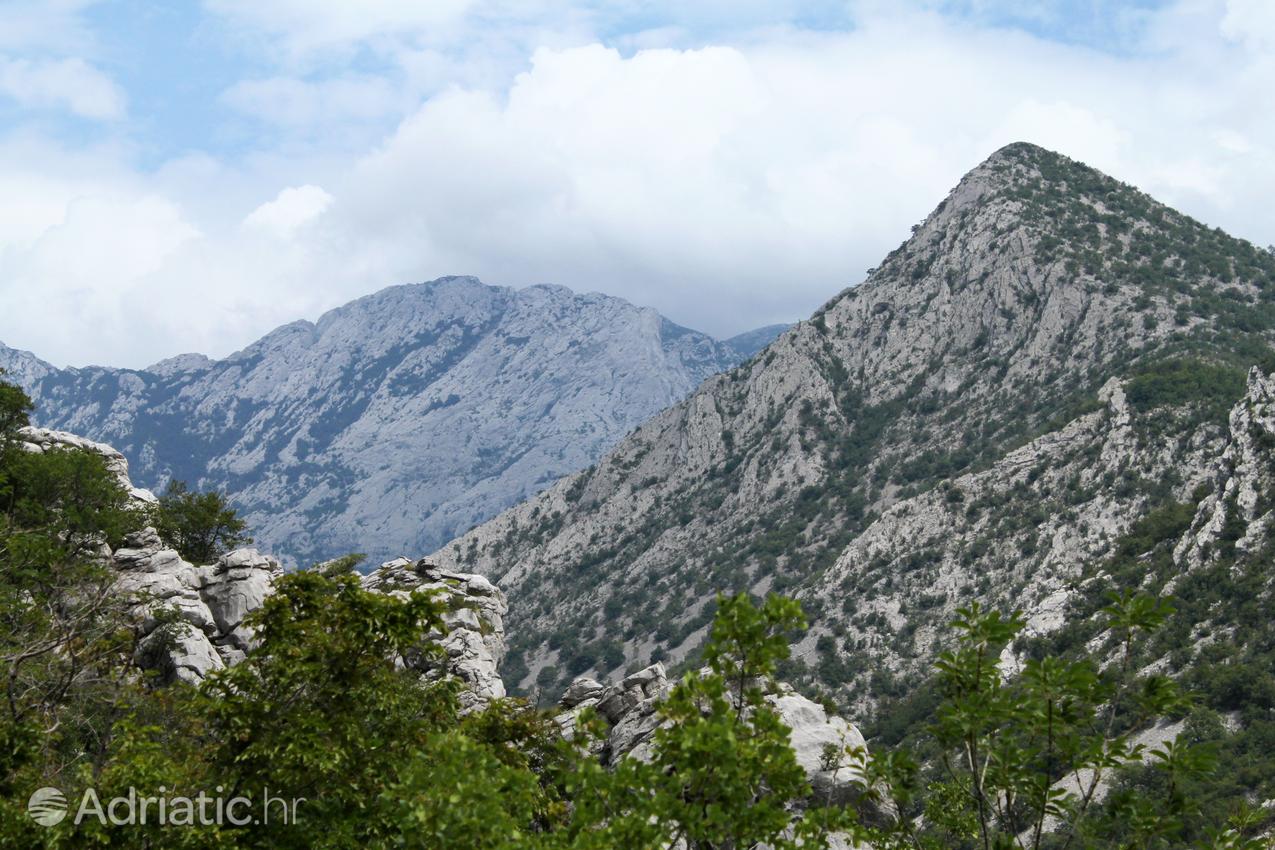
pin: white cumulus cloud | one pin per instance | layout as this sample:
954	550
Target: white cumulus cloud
70	84
292	208
728	184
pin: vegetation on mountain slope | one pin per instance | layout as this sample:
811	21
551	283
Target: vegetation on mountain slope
325	711
992	330
1037	401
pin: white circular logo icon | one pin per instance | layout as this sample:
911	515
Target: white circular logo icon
47	806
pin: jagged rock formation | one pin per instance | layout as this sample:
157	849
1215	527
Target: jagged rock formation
44	439
630	708
1242	482
396	421
190	619
1046	361
474	641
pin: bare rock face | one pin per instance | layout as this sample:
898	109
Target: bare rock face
630	707
190	619
178	652
1241	481
474	643
814	731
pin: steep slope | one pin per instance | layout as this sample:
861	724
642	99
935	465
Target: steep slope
953	418
750	342
396	421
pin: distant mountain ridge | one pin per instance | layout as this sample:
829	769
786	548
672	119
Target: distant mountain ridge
395	421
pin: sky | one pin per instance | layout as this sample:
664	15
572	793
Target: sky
181	177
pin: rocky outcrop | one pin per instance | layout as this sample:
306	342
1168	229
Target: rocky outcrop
474	641
191	619
630	708
1239	506
814	734
46	439
396	421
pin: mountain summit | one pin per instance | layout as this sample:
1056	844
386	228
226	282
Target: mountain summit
395	421
1049	358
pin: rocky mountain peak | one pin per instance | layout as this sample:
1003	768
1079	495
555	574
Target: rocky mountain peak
191	362
996	340
395	421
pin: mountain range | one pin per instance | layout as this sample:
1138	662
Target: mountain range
1055	389
397	421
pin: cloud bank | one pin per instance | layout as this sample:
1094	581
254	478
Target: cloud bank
730	177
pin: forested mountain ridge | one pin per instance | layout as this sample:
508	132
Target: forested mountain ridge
395	421
1048	361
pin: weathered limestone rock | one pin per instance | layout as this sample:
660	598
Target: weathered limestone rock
178	651
474	643
237	584
813	732
209	602
1243	475
631	708
580	691
190	619
45	439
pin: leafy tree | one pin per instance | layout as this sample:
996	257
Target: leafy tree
202	526
727	773
326	711
723	773
15	405
64	643
1024	761
321	710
